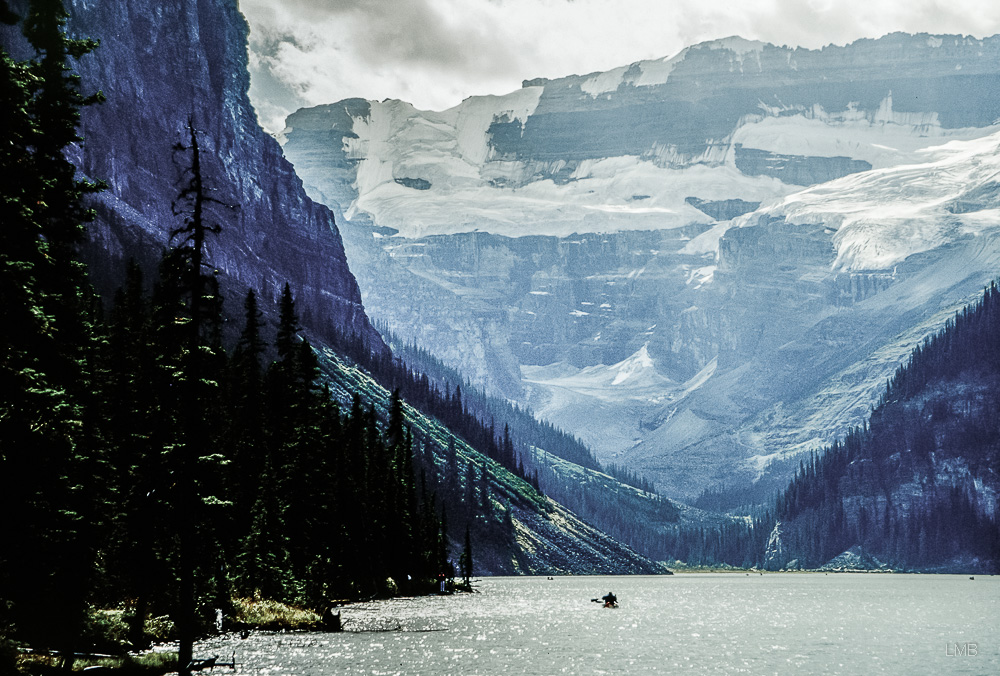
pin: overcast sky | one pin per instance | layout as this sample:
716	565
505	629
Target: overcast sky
434	53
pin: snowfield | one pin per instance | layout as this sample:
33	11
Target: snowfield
470	189
883	216
546	242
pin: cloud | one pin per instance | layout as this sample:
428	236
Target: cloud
429	53
434	53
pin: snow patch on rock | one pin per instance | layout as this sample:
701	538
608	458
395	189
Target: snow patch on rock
881	217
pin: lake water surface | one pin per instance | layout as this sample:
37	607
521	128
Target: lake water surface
687	623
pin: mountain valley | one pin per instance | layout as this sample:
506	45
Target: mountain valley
702	266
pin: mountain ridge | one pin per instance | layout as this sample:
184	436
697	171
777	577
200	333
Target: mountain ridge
525	267
517	140
271	231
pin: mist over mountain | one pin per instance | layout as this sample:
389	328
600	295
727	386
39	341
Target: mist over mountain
702	265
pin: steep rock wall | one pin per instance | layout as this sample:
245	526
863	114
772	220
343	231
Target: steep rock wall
161	65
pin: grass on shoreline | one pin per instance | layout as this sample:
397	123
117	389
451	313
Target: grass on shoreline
147	664
255	613
108	631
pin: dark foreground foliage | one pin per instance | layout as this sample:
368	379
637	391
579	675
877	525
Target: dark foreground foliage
145	465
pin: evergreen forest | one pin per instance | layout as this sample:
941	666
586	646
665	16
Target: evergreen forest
167	451
900	491
902	487
143	461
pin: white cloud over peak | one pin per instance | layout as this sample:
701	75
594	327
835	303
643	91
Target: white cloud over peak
434	53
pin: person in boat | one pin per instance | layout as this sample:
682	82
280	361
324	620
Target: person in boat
610	600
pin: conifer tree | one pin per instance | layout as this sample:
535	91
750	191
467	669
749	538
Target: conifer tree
443	564
49	448
465	560
307	475
451	470
262	564
246	429
356	518
394	432
136	437
485	504
199	385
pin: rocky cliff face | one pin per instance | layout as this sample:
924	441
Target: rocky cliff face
161	65
567	245
693	101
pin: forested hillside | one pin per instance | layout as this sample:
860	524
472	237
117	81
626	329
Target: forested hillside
154	459
622	503
523	427
515	528
917	487
141	459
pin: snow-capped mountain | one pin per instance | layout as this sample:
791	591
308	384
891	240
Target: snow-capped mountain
624	150
638	253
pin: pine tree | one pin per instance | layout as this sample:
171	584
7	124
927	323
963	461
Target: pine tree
199	384
262	564
49	449
485	503
136	437
245	393
465	560
356	519
444	568
394	431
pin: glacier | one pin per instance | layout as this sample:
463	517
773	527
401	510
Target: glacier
704	265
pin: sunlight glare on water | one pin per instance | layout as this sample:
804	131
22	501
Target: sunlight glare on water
693	623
